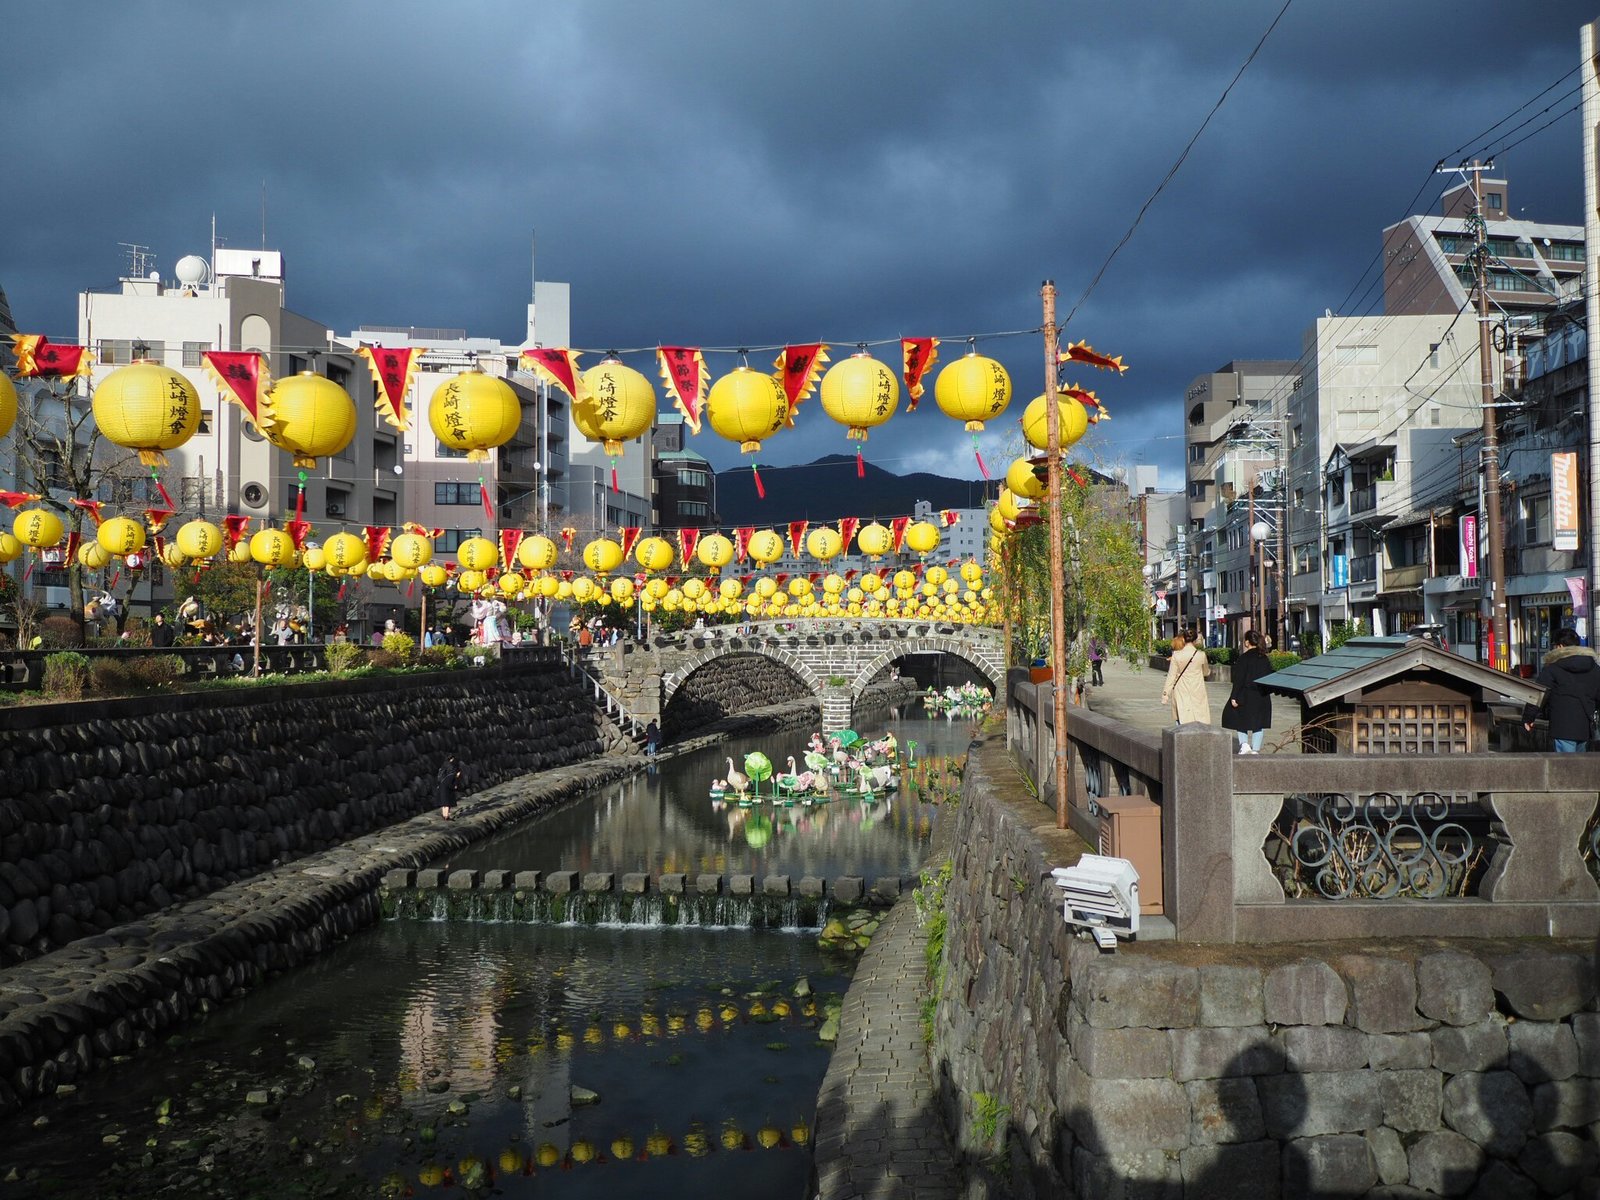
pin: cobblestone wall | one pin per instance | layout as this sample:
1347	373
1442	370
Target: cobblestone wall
115	810
1326	1069
725	687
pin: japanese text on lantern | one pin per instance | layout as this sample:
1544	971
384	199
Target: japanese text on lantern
177	404
885	394
999	388
608	397
452	412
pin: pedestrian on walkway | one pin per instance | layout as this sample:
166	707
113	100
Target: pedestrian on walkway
1571	680
1186	681
1249	709
1097	659
652	738
446	784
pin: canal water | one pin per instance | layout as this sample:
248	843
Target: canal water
462	1059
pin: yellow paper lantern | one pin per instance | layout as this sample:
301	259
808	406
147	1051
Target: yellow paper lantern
1036	421
714	551
1006	505
973	389
766	587
747	406
411	550
823	544
765	547
39	528
308	415
240	552
655	588
433	575
173	557
92	556
344	551
1022	481
536	553
694	589
478	554
548	586
871	583
272	547
799	587
904	581
997	521
511	583
653	553
859	393
198	539
314	559
8	404
922	537
120	536
622	590
583	589
620	405
875	540
359	569
602	555
146	407
833	584
971	572
730	589
474	412
10	547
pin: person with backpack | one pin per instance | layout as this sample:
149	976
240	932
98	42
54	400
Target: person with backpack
1571	681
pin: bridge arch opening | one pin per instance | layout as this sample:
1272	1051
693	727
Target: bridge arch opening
724	685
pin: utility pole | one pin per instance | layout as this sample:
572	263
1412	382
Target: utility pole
1499	616
1058	588
1257	552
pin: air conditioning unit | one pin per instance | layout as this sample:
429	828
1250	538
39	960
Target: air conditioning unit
1130	828
335	508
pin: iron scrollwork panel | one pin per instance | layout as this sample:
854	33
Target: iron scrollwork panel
1380	846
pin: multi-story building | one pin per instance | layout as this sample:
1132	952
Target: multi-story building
684	487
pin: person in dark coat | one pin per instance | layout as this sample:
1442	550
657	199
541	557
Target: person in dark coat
160	632
1249	709
652	738
446	784
1571	681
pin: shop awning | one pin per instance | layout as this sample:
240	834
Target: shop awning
1531	585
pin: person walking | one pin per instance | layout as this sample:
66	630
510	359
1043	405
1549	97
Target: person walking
1249	709
1097	659
161	634
446	784
652	738
1185	688
1571	680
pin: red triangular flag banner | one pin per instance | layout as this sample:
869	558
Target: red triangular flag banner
92	507
243	377
797	369
630	538
741	541
158	518
38	358
683	371
233	528
797	530
510	539
948	517
298	531
917	355
1085	353
377	539
393	371
897	530
18	499
559	367
688	539
567	534
847	531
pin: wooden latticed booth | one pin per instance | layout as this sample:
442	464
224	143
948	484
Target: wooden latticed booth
1396	695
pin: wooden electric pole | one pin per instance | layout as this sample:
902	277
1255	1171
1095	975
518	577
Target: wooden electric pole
1058	586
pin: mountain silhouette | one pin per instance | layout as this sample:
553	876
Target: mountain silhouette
828	489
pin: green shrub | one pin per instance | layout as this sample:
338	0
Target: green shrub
384	660
343	656
155	672
401	645
59	631
1222	655
1283	658
109	677
66	675
438	656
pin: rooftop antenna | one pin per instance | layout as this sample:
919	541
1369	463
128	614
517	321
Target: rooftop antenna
138	259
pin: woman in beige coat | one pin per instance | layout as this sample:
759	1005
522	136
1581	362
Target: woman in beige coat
1186	682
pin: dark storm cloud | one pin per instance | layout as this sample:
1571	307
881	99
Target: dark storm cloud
734	175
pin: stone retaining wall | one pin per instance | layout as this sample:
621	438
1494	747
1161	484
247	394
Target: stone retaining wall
119	809
1326	1069
728	686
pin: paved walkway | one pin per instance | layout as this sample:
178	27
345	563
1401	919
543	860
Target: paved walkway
1133	694
879	1135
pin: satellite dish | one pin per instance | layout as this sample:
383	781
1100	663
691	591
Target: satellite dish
192	270
154	277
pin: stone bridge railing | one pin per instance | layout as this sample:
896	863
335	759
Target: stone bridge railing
1292	847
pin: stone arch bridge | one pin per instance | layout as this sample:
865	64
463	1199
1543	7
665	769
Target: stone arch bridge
834	659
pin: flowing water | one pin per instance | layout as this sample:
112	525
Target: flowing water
453	1058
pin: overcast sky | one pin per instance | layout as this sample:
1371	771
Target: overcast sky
722	174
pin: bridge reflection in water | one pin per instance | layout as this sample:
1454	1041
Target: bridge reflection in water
665	821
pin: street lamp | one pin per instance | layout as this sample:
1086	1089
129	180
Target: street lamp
1259	532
